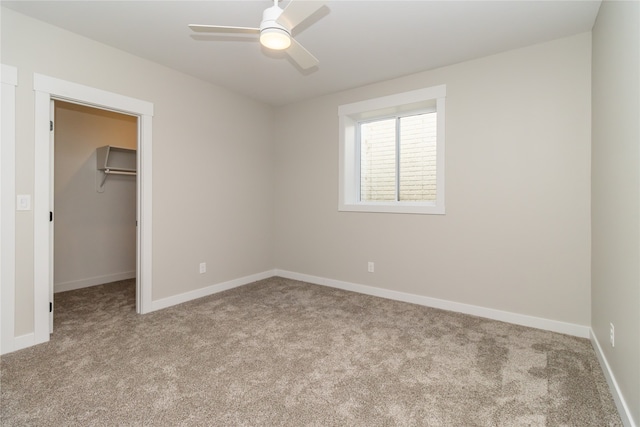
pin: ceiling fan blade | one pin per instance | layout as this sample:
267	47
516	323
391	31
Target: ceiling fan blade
221	29
301	56
298	11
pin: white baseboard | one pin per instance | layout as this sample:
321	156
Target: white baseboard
209	290
503	316
618	398
92	281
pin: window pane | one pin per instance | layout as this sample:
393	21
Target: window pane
378	161
418	157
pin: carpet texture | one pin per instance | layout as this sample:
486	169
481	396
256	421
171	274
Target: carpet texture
285	353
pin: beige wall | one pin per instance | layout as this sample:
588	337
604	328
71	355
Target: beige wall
212	164
616	193
95	232
516	234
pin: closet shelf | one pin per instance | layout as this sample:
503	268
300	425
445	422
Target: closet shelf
113	160
116	159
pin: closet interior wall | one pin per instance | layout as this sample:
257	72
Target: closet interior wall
95	225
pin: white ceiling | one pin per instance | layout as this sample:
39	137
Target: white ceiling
357	41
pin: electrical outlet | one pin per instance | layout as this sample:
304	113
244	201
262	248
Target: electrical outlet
370	267
612	335
203	267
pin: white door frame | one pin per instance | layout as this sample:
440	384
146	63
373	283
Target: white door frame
48	88
9	79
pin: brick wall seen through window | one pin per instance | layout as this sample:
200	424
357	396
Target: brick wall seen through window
398	159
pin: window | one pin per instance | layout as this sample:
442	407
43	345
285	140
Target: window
392	153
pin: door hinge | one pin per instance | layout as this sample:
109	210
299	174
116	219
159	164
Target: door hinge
50	307
50	216
50	124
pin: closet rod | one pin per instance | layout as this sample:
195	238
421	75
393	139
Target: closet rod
109	171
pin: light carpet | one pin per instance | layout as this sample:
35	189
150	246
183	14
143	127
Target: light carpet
285	353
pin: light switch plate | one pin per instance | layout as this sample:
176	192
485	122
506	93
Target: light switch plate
23	202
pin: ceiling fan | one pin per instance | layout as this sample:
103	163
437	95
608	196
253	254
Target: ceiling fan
275	29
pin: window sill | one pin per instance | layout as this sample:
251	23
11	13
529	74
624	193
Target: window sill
401	208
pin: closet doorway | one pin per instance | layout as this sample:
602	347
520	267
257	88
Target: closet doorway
49	89
94	231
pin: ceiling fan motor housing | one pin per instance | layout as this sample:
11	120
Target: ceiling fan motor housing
269	19
273	34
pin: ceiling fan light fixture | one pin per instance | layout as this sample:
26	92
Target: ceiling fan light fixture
275	38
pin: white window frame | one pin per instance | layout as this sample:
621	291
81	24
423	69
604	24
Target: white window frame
405	103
